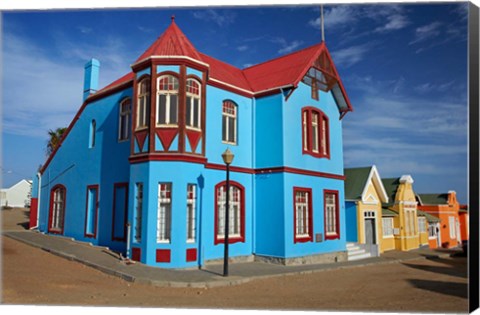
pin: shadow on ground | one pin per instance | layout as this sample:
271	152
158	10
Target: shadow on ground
453	267
448	288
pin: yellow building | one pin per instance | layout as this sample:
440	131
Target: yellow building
364	195
403	203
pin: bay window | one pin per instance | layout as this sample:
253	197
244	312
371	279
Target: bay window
143	103
167	101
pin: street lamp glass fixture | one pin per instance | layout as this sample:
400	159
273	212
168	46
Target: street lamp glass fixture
228	156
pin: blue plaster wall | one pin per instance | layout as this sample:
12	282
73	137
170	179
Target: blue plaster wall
180	175
76	166
214	145
351	221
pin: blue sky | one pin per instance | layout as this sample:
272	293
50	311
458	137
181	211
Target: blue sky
404	67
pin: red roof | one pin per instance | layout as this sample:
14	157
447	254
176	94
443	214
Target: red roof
171	43
284	71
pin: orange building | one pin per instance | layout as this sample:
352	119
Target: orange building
446	208
463	216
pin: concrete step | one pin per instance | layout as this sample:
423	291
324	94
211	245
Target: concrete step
358	257
356	252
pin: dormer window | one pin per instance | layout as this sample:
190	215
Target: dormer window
143	103
167	101
193	112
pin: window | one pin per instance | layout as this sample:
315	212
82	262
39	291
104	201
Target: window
422	225
387	224
138	212
303	214
93	131
143	103
432	230
332	227
229	122
191	196
315	133
236	213
124	120
193	113
57	209
167	100
91	211
164	212
451	223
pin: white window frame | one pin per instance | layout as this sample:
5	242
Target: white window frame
172	80
387	227
164	212
226	125
138	212
331	214
192	97
452	227
191	215
143	103
422	225
432	230
302	213
314	133
124	112
234	213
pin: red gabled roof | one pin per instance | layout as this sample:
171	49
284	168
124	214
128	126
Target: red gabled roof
282	71
171	43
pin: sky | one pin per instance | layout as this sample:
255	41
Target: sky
404	67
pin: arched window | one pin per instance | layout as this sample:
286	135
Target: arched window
236	228
93	131
193	112
143	103
315	133
167	100
57	209
229	122
124	119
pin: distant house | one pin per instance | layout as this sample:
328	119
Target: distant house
18	195
464	219
143	155
405	226
364	195
445	207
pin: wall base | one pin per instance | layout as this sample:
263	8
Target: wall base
305	260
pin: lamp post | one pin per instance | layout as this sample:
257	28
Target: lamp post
227	159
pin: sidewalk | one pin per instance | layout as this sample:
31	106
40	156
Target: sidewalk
209	276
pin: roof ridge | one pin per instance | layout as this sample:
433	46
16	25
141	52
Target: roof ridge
284	56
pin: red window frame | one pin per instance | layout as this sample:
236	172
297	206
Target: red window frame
94	212
337	214
235	239
309	236
307	135
50	211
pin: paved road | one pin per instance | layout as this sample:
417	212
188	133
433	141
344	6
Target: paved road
33	276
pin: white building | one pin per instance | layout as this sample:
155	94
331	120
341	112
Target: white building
18	195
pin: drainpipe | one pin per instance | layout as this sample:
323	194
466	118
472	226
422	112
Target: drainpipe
39	188
129	227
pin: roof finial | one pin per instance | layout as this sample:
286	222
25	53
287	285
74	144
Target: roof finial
173	18
321	22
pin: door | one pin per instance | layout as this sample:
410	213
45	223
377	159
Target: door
370	231
119	214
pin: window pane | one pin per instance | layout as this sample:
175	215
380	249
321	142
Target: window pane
189	112
173	108
231	129
224	128
162	107
196	113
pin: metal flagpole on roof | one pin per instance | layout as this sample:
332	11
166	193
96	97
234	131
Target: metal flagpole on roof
321	22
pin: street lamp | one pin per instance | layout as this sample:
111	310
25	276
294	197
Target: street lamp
227	159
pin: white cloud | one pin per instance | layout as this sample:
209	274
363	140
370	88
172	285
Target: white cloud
351	55
426	32
221	19
289	47
395	22
242	48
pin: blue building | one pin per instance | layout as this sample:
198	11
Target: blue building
140	170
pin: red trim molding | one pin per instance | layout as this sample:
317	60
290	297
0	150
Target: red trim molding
191	254
163	255
337	213
167	157
240	238
286	169
309	237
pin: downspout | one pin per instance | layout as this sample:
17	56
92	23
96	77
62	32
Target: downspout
254	190
39	188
